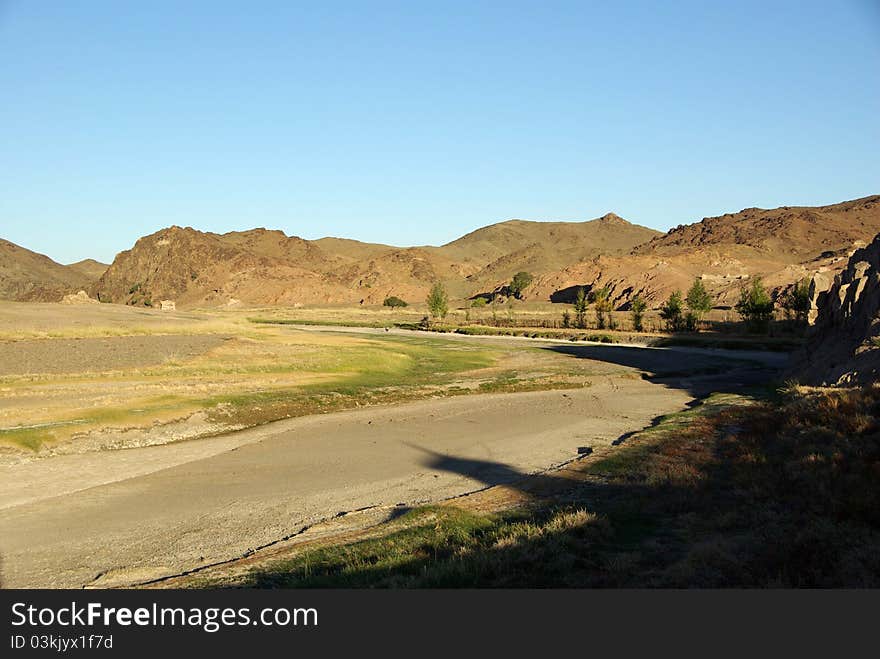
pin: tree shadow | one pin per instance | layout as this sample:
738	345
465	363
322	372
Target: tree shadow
488	472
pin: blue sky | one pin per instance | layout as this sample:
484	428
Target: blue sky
415	122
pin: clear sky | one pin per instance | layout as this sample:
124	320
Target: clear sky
415	122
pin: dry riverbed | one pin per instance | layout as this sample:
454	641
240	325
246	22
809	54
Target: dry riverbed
377	420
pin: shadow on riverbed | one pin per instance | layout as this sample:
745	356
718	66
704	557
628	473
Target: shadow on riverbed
744	496
699	372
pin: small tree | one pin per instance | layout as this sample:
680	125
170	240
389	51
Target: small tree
581	303
510	320
566	318
519	283
671	312
637	308
796	301
394	302
755	306
438	301
699	303
601	298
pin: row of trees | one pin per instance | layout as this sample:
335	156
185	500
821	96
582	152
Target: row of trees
679	312
601	299
685	313
755	306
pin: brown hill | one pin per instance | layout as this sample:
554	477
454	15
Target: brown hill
28	276
90	268
496	252
267	267
263	267
790	233
781	245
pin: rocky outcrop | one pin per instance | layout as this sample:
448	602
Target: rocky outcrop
80	297
844	345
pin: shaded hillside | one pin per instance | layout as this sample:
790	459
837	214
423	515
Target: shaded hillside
844	347
28	276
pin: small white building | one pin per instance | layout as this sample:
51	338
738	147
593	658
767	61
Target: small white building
167	305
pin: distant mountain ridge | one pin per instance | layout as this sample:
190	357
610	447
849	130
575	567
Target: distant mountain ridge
267	267
782	245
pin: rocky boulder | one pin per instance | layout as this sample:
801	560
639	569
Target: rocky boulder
844	344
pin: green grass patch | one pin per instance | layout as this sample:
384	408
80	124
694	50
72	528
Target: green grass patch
381	370
442	547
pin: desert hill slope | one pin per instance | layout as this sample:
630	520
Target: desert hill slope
788	233
90	268
781	245
267	267
29	276
498	251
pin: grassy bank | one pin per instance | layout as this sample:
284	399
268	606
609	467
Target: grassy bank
737	492
267	374
709	340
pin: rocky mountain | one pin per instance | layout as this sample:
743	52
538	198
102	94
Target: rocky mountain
265	267
844	346
28	276
789	234
781	245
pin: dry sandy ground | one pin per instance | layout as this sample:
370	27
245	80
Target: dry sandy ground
41	356
132	515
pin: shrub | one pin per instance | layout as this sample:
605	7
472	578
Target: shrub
479	302
438	301
519	283
671	312
394	302
755	306
601	298
699	302
796	301
580	308
637	308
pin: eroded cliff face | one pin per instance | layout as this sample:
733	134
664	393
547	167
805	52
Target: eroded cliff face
844	345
